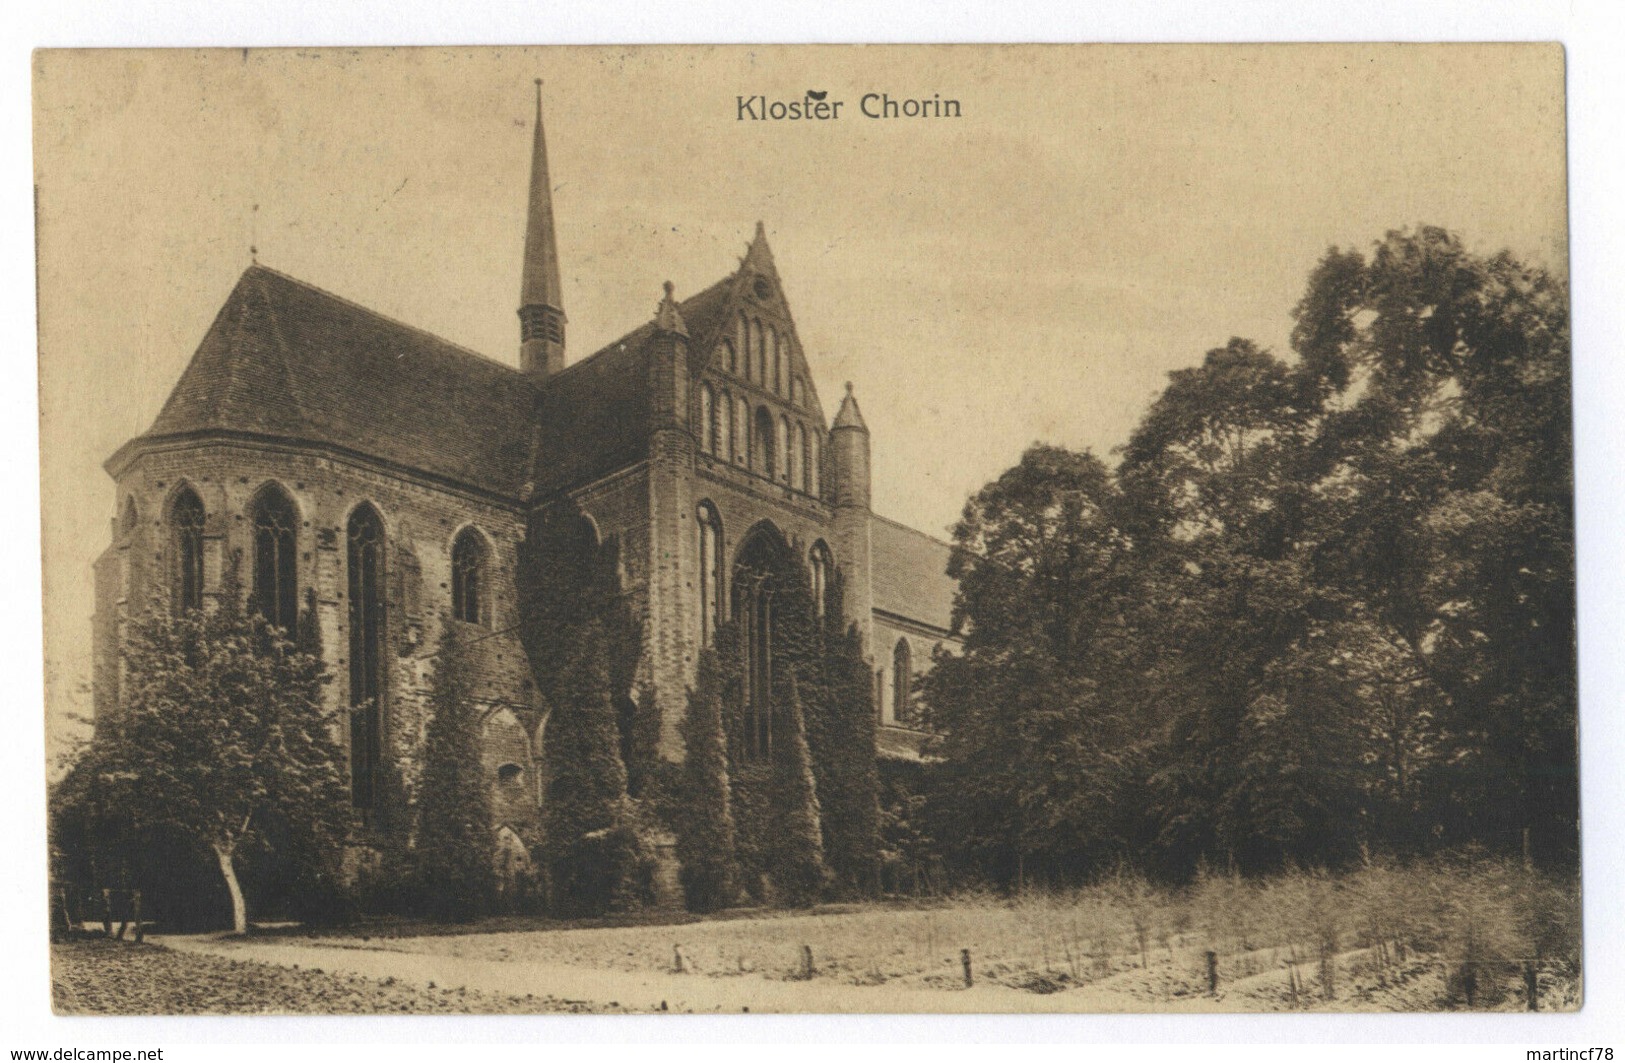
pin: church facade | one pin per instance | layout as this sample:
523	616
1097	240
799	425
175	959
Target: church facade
339	461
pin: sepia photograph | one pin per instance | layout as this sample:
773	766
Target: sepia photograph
830	529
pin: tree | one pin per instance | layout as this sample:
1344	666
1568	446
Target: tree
797	846
221	729
1038	721
597	858
705	827
1322	603
455	873
1451	452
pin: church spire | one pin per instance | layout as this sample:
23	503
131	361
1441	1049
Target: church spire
541	304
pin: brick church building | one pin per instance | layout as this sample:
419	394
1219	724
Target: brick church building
390	476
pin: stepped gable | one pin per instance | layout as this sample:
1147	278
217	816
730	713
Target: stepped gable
286	360
910	574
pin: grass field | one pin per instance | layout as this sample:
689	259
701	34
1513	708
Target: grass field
1444	936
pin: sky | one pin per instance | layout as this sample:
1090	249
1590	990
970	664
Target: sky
1097	217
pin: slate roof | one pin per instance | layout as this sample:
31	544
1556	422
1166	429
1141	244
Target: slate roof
910	573
287	360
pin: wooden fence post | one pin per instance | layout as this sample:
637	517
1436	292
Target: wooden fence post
107	913
135	906
1212	971
806	962
1531	985
678	964
964	961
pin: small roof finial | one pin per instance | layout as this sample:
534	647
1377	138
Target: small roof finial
668	318
849	387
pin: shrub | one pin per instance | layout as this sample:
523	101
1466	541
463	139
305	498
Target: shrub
705	834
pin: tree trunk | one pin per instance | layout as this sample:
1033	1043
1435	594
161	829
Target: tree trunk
239	908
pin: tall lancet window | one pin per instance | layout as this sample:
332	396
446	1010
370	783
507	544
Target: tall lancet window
742	432
752	338
276	560
762	442
819	562
468	578
742	342
710	571
366	586
798	458
725	426
761	356
708	419
186	530
755	571
902	683
782	441
776	354
815	466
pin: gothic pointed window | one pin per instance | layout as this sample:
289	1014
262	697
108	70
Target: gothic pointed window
276	561
814	466
469	585
742	432
758	568
751	334
365	557
742	343
782	441
776	355
729	357
710	571
725	426
902	683
708	419
762	442
818	561
186	528
761	355
798	458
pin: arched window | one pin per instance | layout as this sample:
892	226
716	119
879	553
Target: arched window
276	560
742	332
366	586
729	356
902	683
186	528
815	468
742	433
710	571
798	458
757	569
819	562
725	426
761	354
763	442
469	588
777	358
782	446
708	419
752	333
795	391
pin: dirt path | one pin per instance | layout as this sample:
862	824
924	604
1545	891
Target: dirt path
653	991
